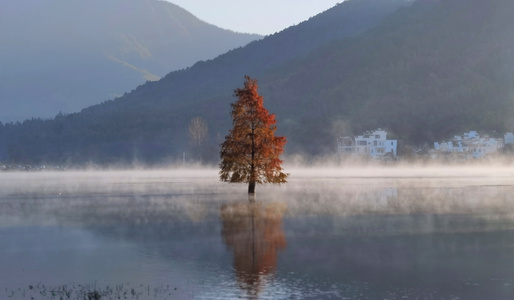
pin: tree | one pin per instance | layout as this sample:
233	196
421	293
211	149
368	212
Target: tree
198	131
250	152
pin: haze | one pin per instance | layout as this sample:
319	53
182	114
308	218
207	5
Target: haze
182	230
55	197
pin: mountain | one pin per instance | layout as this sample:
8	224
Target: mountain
59	55
436	69
150	122
424	71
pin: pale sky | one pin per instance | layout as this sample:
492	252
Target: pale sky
262	16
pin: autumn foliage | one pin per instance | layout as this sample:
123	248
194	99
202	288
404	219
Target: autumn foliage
250	152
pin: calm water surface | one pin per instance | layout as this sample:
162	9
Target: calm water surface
343	234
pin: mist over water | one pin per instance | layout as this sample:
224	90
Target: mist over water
360	233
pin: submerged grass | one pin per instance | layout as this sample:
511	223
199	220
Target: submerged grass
95	292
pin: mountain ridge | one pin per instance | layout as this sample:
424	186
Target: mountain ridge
60	53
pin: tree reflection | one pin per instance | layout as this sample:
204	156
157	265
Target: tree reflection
253	230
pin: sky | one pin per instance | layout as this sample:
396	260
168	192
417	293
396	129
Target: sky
262	17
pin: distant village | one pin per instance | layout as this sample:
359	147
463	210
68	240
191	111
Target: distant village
375	145
471	145
372	144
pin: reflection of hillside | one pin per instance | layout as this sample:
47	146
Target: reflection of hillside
253	231
399	197
388	225
87	210
383	254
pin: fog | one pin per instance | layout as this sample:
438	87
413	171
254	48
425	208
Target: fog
336	230
196	193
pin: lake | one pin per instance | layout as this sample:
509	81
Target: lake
349	233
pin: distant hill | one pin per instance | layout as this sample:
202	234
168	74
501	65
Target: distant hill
428	72
423	71
59	55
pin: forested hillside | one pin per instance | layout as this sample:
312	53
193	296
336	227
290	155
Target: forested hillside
424	73
60	55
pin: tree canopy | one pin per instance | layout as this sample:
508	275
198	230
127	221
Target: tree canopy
250	152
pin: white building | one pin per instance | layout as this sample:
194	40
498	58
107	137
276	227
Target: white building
470	145
373	144
508	138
